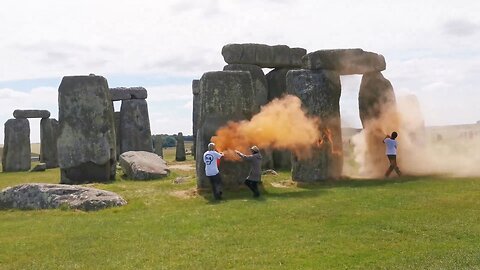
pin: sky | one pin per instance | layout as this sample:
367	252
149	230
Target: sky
432	49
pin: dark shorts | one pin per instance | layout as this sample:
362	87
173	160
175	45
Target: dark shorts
392	157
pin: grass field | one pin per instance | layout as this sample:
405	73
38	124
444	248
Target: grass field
407	223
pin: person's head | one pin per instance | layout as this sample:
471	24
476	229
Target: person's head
254	149
394	135
211	146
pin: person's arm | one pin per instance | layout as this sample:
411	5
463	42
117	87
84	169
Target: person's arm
243	156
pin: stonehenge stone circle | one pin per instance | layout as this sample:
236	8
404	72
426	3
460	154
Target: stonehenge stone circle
135	134
126	93
49	196
48	142
180	148
319	91
86	142
264	56
16	154
225	96
260	87
345	61
31	114
196	112
157	141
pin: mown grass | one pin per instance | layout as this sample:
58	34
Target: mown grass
407	223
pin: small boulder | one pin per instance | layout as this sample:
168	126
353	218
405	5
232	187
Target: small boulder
40	167
48	196
142	165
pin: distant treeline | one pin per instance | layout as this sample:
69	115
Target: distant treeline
171	140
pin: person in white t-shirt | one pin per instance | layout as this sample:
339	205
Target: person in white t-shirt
391	152
211	158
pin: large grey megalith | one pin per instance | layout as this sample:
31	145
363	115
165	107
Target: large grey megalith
86	142
225	96
16	148
319	91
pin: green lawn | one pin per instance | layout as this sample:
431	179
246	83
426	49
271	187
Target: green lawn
408	223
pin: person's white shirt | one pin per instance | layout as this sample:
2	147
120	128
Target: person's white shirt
210	159
391	146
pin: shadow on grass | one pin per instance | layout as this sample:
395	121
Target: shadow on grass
305	189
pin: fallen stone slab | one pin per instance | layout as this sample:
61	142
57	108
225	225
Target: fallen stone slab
142	165
40	167
345	61
262	55
48	196
31	114
126	93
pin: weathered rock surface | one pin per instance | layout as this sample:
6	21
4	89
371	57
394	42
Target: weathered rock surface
319	91
141	165
277	87
345	61
31	114
180	148
196	112
47	196
225	96
260	87
376	93
276	82
158	145
118	135
262	55
48	142
86	142
40	167
378	114
135	134
126	93
16	146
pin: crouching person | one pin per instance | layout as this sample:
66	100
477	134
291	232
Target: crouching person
211	159
255	175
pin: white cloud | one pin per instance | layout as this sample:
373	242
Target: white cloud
432	47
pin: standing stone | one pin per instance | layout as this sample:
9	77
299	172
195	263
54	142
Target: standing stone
48	142
378	113
319	91
31	114
135	134
158	145
225	96
345	61
16	147
196	113
262	55
180	149
260	88
376	94
86	142
118	135
276	81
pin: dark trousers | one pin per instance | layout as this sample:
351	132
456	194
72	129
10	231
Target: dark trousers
393	165
216	182
253	186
